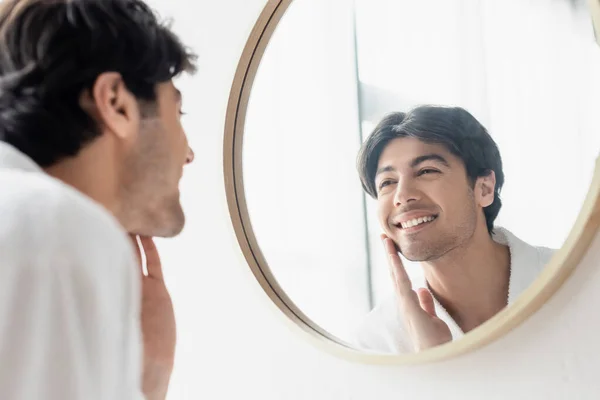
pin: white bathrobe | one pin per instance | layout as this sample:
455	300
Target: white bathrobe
69	292
384	331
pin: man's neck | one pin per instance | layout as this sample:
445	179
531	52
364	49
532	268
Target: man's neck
471	281
91	172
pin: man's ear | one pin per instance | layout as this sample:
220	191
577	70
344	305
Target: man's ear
485	187
112	105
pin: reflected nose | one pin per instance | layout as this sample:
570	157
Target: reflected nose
405	193
190	156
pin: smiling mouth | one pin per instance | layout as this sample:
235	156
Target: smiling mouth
416	222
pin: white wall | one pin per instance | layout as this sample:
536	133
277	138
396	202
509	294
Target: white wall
234	345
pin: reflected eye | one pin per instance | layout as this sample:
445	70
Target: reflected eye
384	184
427	171
181	113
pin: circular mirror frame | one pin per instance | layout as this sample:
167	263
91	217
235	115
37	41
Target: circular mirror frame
556	272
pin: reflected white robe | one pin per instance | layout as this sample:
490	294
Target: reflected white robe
383	329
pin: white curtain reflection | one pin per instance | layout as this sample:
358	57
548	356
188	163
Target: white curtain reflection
528	70
300	143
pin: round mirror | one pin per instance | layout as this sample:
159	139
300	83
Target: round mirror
400	172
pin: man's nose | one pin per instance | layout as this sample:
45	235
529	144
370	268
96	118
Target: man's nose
190	156
406	192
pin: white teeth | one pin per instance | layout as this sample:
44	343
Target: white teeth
416	221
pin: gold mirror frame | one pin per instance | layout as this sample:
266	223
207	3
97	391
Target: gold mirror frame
556	272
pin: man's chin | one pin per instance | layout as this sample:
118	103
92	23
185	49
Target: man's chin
173	228
416	253
422	256
170	225
414	257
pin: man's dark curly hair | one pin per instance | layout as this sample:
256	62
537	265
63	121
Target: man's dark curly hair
51	51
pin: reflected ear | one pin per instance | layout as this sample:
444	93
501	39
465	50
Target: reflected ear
485	188
113	106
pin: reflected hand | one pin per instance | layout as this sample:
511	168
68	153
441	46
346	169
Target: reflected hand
158	323
425	328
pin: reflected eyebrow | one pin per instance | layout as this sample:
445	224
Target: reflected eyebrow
416	161
429	157
178	95
387	168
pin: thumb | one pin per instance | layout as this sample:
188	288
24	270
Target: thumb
426	301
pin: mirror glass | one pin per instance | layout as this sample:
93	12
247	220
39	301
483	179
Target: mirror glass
477	125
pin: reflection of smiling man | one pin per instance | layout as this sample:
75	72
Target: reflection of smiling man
436	175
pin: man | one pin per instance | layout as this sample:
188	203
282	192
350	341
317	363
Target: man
436	175
91	153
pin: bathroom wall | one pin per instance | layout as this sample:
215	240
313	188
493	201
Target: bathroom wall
233	344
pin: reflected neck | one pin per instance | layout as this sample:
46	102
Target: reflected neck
471	282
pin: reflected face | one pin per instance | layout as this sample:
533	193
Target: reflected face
155	166
426	203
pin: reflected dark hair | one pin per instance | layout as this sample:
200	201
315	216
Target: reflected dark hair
51	51
454	128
